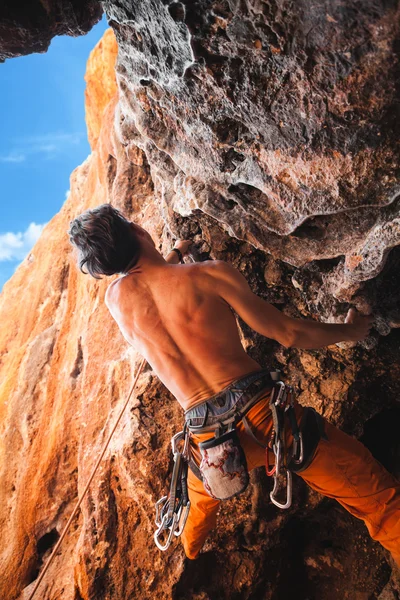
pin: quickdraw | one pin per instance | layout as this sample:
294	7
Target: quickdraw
282	407
172	510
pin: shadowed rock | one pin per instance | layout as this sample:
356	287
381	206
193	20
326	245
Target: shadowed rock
30	26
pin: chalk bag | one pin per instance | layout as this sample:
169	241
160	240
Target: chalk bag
224	466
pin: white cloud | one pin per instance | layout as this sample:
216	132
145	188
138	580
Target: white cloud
67	193
15	246
13	157
46	148
48	144
55	137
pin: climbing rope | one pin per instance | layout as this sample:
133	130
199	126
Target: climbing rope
140	369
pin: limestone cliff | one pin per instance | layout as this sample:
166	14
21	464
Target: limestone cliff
279	122
268	133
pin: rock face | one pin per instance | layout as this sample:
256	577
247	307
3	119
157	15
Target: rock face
267	132
279	122
101	84
31	27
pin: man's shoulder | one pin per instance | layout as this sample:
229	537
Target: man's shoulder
212	265
212	268
217	273
220	269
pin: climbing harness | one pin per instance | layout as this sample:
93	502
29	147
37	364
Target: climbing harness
172	510
53	554
223	466
224	473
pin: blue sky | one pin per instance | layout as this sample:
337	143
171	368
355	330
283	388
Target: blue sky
43	138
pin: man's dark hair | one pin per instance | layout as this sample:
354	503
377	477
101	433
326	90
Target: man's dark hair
106	241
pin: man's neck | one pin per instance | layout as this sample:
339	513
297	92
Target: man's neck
149	258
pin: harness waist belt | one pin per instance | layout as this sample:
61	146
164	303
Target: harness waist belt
228	405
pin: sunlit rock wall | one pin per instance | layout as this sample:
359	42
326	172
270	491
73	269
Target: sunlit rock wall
171	154
64	369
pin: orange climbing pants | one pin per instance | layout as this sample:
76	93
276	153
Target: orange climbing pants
342	468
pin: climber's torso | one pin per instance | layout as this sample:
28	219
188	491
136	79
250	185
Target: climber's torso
173	316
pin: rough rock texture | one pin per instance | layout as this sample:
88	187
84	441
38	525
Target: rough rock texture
31	27
280	121
195	146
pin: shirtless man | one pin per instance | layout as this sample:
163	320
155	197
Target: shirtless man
180	318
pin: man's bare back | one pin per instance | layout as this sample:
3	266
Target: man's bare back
180	318
174	316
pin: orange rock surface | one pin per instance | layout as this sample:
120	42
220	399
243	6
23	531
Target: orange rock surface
60	380
101	84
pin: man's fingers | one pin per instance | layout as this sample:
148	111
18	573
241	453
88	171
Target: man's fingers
351	313
183	245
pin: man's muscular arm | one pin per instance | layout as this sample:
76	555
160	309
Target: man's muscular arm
270	322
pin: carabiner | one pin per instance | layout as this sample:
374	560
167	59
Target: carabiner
296	445
277	448
269	471
159	511
282	387
288	502
175	440
182	519
162	528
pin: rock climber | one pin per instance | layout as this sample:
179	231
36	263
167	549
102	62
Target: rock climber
180	317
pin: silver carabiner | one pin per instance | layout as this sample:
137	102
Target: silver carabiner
282	389
288	502
182	519
277	449
185	436
175	440
296	444
163	527
159	510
